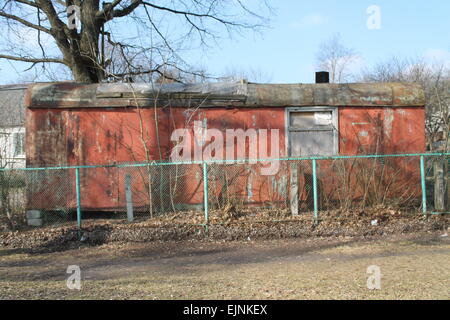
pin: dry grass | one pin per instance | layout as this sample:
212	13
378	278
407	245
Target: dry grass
412	267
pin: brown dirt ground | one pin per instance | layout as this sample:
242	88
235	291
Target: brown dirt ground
414	266
242	256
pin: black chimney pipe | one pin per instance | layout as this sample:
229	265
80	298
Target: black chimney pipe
322	77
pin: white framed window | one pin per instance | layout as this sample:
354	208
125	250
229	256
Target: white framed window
313	131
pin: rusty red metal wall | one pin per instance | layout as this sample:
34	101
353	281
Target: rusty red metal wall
60	137
102	136
372	130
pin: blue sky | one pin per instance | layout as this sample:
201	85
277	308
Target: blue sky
285	53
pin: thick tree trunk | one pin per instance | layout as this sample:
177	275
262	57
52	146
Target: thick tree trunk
84	52
85	71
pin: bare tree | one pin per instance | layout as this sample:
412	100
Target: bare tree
333	56
435	78
156	32
399	70
234	74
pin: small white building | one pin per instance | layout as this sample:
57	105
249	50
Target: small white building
12	126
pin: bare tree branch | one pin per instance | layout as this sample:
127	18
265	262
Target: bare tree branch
126	10
193	14
24	22
155	44
28	2
335	58
32	60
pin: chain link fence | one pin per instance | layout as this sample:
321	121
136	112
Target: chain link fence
204	193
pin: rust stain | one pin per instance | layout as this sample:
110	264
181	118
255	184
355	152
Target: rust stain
69	124
68	95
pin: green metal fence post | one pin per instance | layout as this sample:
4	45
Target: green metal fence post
77	187
205	194
316	206
424	190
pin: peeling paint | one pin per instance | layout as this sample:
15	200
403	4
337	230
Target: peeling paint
388	120
97	140
363	133
254	120
225	94
65	136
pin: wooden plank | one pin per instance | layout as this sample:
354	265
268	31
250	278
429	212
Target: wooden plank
293	191
129	197
440	192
